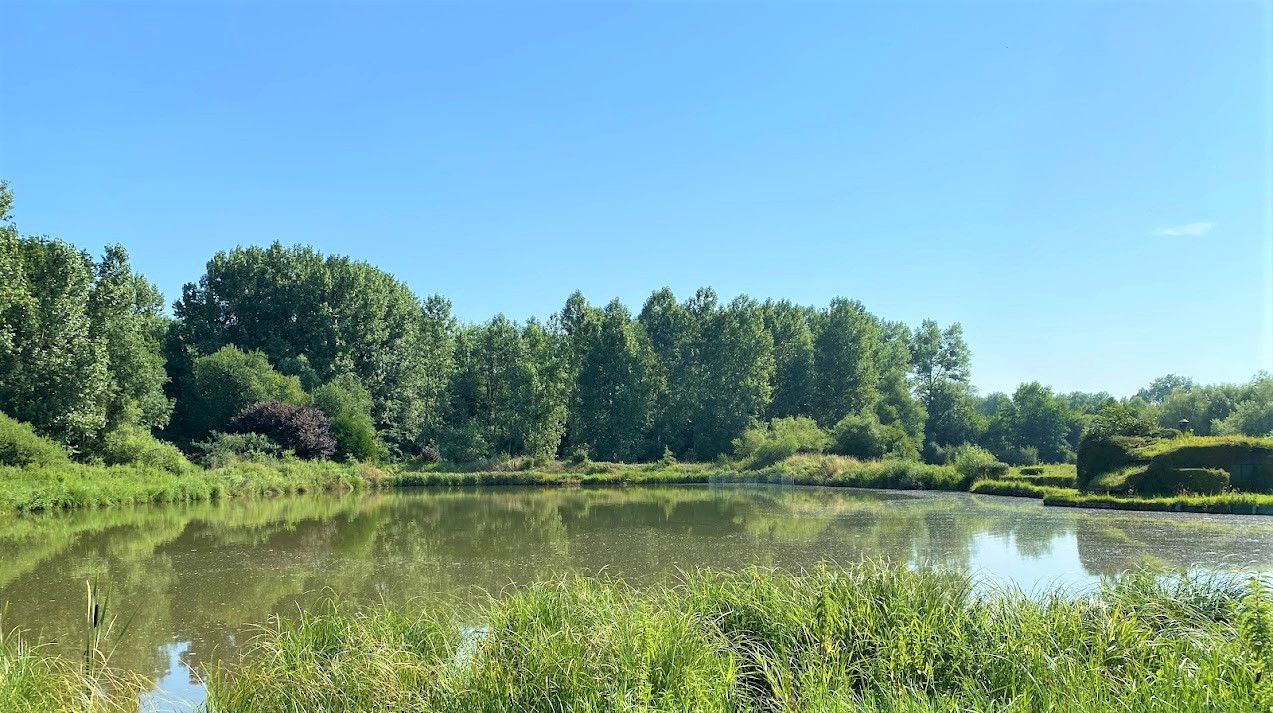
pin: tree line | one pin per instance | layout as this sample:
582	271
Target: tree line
287	345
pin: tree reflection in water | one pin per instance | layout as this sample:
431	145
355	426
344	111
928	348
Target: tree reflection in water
201	576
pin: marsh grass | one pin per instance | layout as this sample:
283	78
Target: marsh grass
35	681
871	637
77	485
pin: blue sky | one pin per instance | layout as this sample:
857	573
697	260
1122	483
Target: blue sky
1086	186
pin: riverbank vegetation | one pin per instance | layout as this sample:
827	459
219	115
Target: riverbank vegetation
871	637
35	681
279	353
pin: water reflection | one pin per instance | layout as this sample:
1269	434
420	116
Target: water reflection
196	578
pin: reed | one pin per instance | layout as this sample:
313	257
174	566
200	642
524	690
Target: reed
871	637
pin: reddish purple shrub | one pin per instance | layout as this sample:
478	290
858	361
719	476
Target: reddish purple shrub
301	429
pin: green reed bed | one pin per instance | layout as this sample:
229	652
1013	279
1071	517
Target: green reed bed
871	637
77	485
33	681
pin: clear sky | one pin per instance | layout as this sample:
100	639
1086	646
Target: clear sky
1086	186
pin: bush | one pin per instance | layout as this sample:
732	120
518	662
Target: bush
20	445
859	436
347	406
224	383
430	455
225	449
1032	470
1025	455
669	458
1057	481
463	443
134	445
766	444
579	455
1160	479
970	461
300	429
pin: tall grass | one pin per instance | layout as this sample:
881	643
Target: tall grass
77	485
33	681
872	637
844	471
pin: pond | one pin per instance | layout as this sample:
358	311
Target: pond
193	581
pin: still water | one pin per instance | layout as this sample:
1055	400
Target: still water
194	580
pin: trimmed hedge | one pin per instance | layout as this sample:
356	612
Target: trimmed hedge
1249	466
1099	455
1055	481
1159	479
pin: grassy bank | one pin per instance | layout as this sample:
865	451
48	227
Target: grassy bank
867	638
31	681
1224	503
76	485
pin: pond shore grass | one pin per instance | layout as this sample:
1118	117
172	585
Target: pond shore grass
74	485
33	681
1222	504
870	637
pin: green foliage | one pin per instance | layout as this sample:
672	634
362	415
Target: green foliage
224	383
767	443
347	406
1032	470
846	367
1018	488
793	358
227	449
55	374
1252	418
1224	503
872	637
32	680
972	461
1035	424
77	485
134	445
668	458
1162	479
510	386
579	455
126	314
615	382
341	315
20	445
1120	420
860	436
942	364
1099	455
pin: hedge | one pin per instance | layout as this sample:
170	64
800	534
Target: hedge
1160	479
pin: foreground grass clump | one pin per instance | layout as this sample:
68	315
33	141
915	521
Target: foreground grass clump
872	637
32	681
